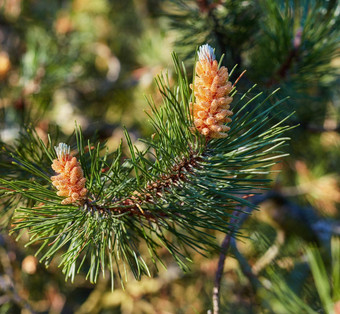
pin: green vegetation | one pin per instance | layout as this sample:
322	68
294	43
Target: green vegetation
164	203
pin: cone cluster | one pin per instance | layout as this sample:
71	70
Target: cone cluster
70	181
211	89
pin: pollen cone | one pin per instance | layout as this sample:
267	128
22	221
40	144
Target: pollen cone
70	181
211	88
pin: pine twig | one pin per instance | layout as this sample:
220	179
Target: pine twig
220	266
238	218
133	204
282	72
173	189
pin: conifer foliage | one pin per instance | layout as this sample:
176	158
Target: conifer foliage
175	194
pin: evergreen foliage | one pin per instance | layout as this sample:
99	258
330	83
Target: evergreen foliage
169	195
173	195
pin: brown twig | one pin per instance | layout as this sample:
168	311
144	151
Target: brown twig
282	72
220	266
133	204
238	219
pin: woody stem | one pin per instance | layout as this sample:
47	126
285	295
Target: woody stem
220	266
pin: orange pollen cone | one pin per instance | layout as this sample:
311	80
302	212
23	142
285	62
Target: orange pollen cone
211	89
70	181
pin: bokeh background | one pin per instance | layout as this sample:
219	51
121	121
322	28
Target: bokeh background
93	61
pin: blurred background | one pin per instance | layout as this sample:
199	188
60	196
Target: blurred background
93	61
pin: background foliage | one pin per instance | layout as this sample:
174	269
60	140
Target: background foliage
92	61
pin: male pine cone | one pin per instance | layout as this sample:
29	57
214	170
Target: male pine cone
70	182
211	88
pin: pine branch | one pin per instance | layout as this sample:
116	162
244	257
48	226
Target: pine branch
286	65
293	38
174	194
133	205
